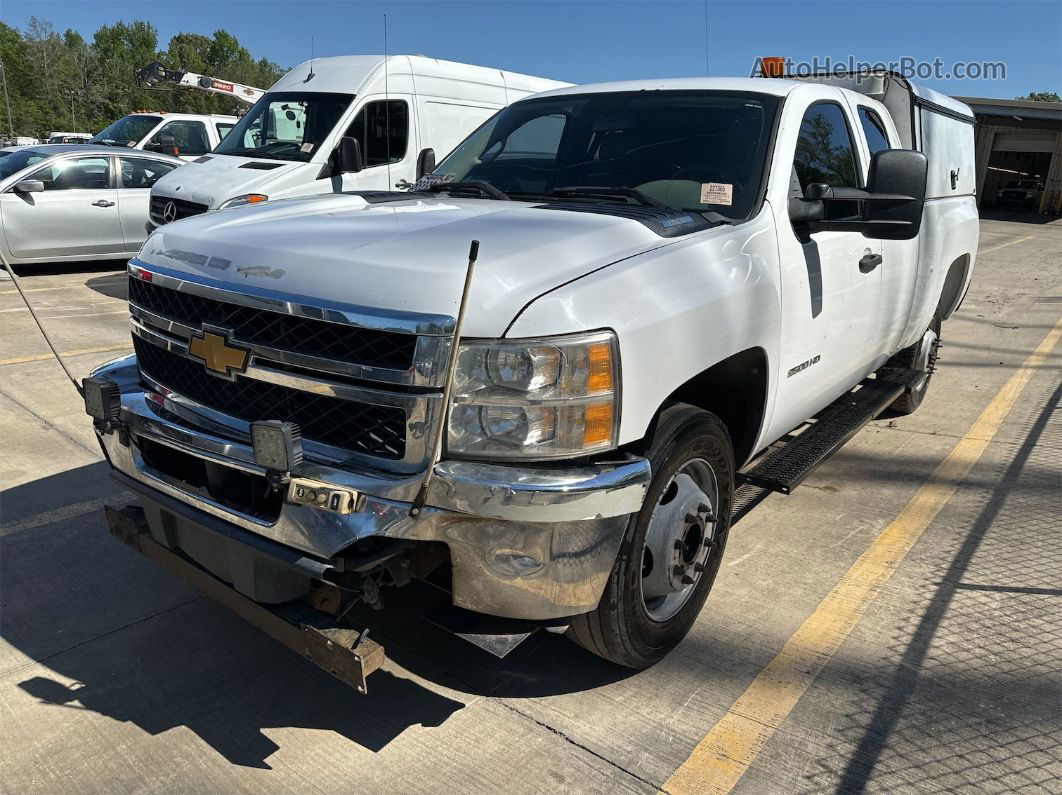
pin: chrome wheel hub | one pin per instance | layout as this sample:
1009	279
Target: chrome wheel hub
680	540
927	356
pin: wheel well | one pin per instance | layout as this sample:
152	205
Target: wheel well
735	390
951	294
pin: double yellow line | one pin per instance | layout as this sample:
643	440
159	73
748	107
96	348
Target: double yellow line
732	745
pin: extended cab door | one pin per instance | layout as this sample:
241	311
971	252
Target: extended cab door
830	281
899	268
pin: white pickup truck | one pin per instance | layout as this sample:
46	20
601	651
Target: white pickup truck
183	135
672	276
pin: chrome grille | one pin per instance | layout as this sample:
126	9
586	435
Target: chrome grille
369	347
182	208
373	430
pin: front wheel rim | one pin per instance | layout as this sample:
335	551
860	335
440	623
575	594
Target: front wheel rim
681	540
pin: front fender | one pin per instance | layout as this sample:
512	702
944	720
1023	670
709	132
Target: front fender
676	310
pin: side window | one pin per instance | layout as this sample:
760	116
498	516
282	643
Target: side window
142	172
824	151
190	137
224	128
382	129
874	130
83	173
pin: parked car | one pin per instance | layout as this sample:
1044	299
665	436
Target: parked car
184	135
1023	194
68	138
402	111
673	277
75	201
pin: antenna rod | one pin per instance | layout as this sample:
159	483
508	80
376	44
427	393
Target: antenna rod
387	110
448	386
706	71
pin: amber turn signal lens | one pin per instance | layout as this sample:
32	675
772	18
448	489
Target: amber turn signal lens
599	378
598	427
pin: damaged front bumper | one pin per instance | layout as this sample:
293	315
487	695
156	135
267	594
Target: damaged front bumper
525	542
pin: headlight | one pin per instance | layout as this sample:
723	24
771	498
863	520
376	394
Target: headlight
542	398
240	201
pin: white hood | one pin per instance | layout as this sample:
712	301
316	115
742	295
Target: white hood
408	255
223	176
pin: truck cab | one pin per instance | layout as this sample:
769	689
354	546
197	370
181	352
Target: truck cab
552	365
184	135
401	110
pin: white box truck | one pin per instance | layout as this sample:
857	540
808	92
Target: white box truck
689	292
403	111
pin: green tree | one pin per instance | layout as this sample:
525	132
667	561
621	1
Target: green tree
49	74
1041	96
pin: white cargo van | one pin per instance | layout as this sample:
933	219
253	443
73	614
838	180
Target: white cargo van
184	135
395	114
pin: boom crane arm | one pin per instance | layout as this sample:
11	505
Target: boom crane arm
155	74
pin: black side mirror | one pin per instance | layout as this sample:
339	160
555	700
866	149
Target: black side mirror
349	155
425	162
166	144
29	186
889	209
897	183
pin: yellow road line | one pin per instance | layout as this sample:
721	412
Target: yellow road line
40	357
732	745
1004	245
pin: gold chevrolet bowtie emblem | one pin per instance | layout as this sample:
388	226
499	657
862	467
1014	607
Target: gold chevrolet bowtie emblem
216	353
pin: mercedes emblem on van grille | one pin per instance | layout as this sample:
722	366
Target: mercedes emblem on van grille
169	212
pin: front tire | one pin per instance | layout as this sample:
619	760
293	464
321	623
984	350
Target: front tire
672	547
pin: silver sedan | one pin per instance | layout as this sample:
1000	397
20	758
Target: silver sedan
75	201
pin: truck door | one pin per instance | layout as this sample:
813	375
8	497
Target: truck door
899	267
830	281
388	146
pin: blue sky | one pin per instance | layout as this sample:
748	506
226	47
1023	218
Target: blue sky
592	41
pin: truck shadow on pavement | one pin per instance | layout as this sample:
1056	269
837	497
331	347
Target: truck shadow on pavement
98	628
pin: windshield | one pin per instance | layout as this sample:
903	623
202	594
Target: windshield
127	130
285	125
689	150
13	162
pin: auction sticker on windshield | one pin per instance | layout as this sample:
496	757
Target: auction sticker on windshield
717	193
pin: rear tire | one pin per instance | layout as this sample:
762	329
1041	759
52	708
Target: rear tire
922	357
646	610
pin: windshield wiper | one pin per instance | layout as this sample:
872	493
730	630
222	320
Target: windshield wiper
485	188
606	192
247	151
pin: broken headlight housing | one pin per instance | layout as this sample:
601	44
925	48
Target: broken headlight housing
533	399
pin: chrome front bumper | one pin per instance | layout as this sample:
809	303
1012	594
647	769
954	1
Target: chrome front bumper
525	542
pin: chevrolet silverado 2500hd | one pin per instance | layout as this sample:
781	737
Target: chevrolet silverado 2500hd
672	277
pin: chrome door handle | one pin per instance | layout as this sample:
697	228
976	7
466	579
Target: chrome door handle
869	262
102	203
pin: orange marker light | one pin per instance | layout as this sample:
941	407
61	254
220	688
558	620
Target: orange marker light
599	378
772	66
598	427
